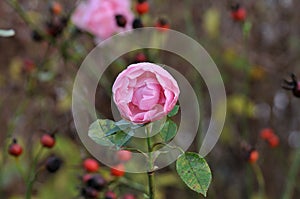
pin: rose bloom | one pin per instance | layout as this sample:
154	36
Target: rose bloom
145	92
99	17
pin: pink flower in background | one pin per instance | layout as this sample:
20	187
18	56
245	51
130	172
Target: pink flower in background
99	17
145	92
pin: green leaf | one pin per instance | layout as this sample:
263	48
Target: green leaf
169	131
174	111
121	138
194	171
101	129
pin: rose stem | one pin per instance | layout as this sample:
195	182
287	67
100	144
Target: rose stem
150	171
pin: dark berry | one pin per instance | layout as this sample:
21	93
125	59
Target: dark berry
54	29
90	165
110	195
53	163
97	182
48	140
142	7
15	149
137	23
36	36
162	24
89	192
121	21
292	85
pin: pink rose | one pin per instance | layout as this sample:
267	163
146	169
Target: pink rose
99	17
145	92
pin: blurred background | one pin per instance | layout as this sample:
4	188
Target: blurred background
254	54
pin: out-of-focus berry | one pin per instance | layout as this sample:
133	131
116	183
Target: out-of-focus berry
15	149
90	165
117	170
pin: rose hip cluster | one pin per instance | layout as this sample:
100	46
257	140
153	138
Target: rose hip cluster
47	140
55	24
266	134
104	18
93	182
270	137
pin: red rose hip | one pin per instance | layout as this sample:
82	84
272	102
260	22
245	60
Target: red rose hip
48	140
118	170
128	196
90	165
15	149
273	141
238	13
124	155
253	156
266	133
142	7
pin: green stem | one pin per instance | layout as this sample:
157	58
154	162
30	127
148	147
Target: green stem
132	185
20	169
292	176
17	7
32	175
260	180
150	162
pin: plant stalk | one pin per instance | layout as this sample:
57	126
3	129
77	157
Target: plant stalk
150	172
292	176
260	180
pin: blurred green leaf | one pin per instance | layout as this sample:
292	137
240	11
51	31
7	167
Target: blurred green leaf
168	131
194	171
211	22
121	138
106	133
241	105
247	28
101	129
174	111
